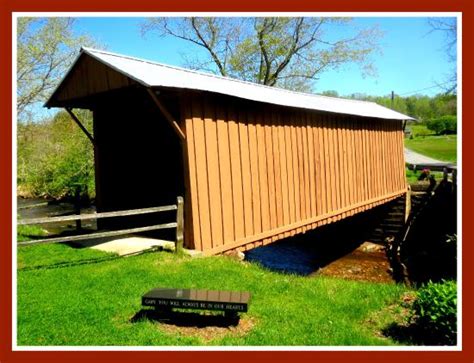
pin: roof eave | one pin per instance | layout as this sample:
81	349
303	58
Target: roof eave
50	102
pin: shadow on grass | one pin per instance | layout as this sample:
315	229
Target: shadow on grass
413	334
186	319
88	261
69	263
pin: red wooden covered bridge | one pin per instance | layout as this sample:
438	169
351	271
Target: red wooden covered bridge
255	164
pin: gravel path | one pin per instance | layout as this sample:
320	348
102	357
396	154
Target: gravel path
414	158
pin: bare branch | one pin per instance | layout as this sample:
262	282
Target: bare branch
266	50
208	46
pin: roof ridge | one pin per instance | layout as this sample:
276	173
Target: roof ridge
92	50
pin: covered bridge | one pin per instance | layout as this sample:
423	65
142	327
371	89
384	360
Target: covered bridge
255	164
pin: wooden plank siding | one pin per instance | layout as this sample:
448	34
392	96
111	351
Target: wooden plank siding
90	77
258	173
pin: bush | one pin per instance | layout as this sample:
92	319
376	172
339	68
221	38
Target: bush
443	125
425	174
54	157
435	311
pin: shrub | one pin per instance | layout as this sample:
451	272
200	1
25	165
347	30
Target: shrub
54	156
443	125
435	311
425	173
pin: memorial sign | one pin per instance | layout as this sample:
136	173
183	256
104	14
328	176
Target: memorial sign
227	301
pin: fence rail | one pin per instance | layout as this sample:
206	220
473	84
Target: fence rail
81	217
179	224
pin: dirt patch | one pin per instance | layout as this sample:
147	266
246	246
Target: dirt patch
210	333
366	263
395	315
207	326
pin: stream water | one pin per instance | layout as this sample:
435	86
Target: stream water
366	262
339	249
52	209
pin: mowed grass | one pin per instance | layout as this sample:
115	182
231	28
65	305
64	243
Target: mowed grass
438	147
93	303
24	233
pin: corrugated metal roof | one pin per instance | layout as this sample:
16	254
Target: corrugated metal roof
152	74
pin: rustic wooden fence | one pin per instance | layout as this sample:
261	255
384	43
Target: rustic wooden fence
178	225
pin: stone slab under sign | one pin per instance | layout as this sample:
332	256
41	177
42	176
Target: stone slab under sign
127	245
227	301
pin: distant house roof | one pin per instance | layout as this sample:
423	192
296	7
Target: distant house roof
152	74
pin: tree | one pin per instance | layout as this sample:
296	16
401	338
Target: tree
330	93
286	52
449	27
54	156
421	107
443	125
46	49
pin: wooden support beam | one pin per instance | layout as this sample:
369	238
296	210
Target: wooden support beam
179	225
167	115
408	203
76	120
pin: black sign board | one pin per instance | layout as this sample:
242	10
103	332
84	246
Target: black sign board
230	301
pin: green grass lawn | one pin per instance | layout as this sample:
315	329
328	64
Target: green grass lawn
438	147
420	130
92	302
24	233
412	177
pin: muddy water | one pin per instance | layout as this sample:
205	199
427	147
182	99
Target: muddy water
53	209
366	262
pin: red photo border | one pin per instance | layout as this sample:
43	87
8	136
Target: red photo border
7	7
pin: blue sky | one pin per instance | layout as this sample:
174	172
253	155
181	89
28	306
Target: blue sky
412	57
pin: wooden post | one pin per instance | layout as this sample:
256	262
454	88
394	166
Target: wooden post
408	203
445	174
179	225
77	206
454	176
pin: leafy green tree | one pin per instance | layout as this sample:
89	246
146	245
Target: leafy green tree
46	48
287	52
54	156
330	93
446	104
421	107
411	105
443	125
